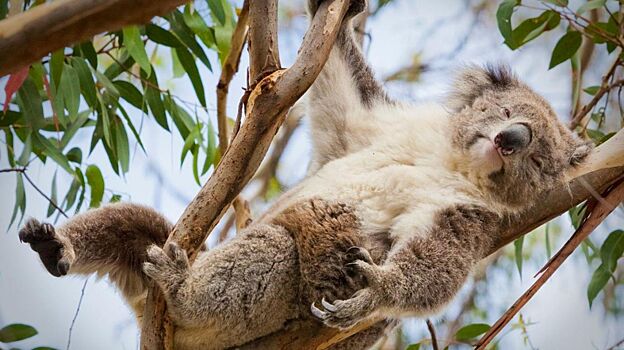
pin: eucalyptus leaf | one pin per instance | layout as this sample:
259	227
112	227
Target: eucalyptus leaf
565	48
136	48
96	182
16	332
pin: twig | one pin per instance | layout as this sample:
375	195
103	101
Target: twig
604	88
43	194
242	213
434	339
73	322
596	213
616	345
230	67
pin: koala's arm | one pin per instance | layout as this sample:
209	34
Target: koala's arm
420	275
109	240
342	97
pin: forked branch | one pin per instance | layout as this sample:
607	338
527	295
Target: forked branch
273	92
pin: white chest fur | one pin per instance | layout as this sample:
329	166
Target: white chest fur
400	181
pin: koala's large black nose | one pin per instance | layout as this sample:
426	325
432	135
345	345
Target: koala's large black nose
514	138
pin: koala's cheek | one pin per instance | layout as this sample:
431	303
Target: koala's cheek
485	159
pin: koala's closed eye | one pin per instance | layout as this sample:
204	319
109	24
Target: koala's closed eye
537	161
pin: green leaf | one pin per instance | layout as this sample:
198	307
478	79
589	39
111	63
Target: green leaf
612	249
30	104
74	155
104	80
20	200
25	156
87	51
16	332
592	90
566	47
217	9
125	62
53	195
547	237
590	5
154	100
96	182
183	121
87	86
161	36
518	243
532	28
188	62
130	93
211	150
184	33
503	17
131	126
122	146
195	152
576	214
599	279
413	347
562	3
70	85
50	150
177	69
56	65
471	331
4	8
136	48
197	24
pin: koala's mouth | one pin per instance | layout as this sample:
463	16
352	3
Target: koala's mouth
488	155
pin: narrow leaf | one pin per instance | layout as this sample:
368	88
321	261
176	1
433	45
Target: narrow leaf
188	62
136	48
471	331
96	182
518	245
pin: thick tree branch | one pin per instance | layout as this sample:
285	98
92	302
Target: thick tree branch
263	48
268	104
30	35
601	209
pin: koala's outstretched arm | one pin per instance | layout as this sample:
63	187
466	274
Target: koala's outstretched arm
423	274
109	240
340	100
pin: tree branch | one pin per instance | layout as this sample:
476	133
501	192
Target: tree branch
30	35
600	211
230	67
271	97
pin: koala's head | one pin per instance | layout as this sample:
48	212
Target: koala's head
510	142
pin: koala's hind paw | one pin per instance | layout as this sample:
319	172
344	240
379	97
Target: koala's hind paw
345	314
168	266
54	252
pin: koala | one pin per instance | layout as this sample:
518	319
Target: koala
400	202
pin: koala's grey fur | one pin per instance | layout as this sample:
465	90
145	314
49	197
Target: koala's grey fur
398	206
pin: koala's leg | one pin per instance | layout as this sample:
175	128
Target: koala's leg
324	233
237	292
423	274
342	95
109	240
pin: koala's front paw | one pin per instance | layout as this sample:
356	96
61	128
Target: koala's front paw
356	7
54	252
345	314
168	266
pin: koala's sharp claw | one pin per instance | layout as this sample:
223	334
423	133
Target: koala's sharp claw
328	306
318	312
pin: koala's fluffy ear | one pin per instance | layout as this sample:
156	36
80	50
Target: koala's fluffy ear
473	81
580	152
